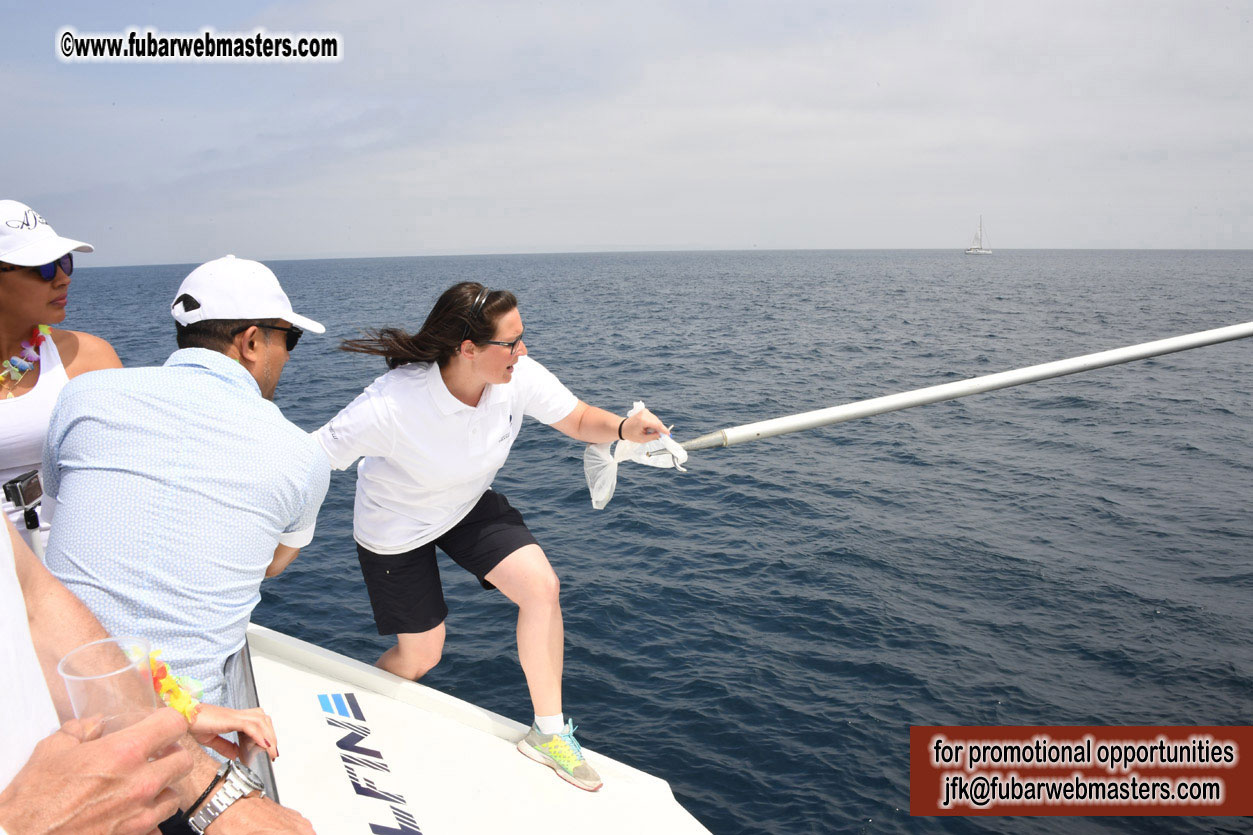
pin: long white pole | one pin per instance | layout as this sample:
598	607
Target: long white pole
963	388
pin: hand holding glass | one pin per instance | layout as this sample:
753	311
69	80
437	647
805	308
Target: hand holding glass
111	680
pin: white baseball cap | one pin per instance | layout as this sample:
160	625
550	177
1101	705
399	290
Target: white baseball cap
26	239
235	288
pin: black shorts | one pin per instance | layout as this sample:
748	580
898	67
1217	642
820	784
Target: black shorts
405	591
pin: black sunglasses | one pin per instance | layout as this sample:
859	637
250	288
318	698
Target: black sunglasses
48	271
293	333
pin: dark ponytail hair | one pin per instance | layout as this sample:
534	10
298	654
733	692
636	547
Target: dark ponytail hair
461	312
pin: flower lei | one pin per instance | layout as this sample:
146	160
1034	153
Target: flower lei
16	366
175	691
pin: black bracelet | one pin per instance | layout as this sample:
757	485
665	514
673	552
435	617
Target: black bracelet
213	784
620	425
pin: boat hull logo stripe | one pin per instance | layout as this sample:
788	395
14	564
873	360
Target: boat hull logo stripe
341	704
341	707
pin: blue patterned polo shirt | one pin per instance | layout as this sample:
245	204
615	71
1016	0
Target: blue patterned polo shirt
172	488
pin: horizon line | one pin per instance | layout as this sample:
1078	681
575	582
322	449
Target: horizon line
674	252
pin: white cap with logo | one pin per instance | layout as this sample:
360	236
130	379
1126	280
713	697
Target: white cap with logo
26	239
235	288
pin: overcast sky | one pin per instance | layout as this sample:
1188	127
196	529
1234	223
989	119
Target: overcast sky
469	127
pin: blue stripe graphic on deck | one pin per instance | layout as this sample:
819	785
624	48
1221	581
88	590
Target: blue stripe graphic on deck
340	707
341	704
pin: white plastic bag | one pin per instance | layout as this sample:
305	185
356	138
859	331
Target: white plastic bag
600	461
602	473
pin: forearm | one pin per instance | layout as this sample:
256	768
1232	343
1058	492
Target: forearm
283	556
59	621
203	772
204	768
250	815
596	426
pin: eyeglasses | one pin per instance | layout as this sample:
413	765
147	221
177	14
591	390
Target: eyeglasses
293	333
47	271
512	346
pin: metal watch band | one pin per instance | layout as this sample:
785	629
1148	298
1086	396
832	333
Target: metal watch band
239	781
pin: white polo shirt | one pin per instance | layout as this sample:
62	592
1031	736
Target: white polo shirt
428	457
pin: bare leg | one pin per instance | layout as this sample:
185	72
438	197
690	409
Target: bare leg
415	653
526	578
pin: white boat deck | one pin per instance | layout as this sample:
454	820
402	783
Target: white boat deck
363	751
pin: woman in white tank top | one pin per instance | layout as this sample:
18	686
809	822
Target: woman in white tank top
35	268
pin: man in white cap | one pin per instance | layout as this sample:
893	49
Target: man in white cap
175	490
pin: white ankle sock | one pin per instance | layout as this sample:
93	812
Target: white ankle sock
551	724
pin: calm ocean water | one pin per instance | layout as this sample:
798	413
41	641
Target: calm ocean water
762	630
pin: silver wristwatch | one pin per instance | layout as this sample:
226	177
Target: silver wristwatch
238	782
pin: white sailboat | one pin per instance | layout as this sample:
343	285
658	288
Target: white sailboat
977	247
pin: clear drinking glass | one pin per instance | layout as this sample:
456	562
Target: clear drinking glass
111	680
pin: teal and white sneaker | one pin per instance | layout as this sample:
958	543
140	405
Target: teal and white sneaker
563	754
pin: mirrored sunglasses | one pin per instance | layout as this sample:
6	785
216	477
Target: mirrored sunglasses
48	271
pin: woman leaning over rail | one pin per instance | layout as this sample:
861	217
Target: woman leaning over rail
36	359
433	431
